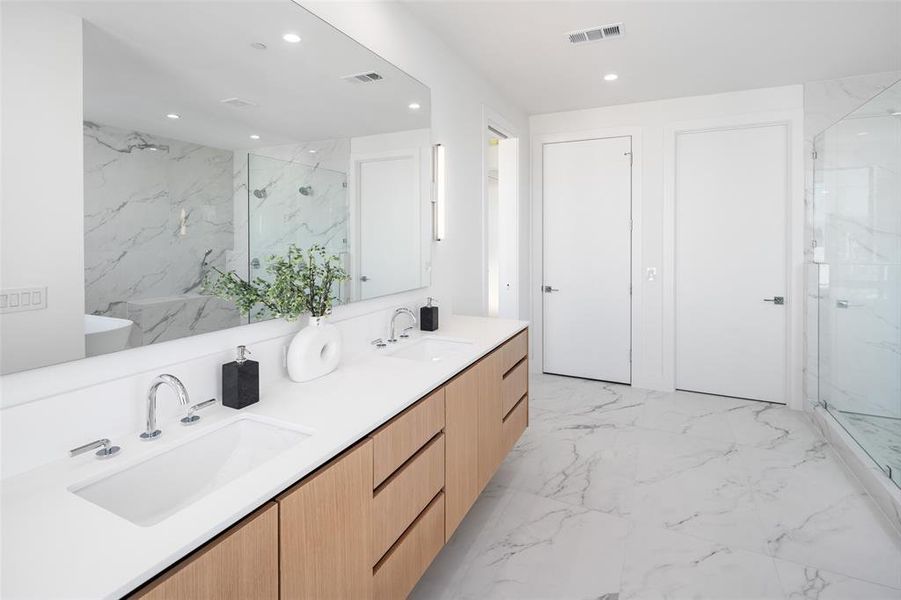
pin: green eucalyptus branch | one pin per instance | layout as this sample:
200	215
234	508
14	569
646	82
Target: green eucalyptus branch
300	282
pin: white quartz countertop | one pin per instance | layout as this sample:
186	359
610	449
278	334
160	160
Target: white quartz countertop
59	545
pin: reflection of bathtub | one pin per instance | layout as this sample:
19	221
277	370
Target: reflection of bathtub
103	335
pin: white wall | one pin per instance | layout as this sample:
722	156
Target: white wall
649	122
458	95
41	210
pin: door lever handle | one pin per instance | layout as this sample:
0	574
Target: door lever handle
775	300
548	289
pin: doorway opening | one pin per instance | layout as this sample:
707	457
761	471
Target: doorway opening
501	191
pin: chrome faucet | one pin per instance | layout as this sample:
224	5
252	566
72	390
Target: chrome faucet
152	433
392	327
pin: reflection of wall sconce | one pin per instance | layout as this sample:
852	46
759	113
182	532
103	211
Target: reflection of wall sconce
439	192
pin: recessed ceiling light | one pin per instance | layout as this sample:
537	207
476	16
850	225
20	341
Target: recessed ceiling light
173	116
863	133
254	136
611	77
312	151
414	106
258	46
291	38
896	113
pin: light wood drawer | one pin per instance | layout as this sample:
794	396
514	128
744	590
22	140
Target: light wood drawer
514	386
395	442
515	423
397	574
514	350
403	496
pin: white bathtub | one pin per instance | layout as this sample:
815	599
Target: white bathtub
103	335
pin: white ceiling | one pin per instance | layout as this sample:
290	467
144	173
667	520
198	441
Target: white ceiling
143	60
670	49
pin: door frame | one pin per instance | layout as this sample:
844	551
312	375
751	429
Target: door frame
494	120
793	121
536	335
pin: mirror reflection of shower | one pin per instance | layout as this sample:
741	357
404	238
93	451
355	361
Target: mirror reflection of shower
292	201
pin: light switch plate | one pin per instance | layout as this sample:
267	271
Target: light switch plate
22	299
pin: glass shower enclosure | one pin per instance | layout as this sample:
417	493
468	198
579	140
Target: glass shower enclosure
293	203
857	251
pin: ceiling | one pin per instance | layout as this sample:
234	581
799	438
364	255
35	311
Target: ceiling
670	49
143	60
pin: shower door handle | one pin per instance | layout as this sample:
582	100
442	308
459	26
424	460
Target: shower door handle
780	300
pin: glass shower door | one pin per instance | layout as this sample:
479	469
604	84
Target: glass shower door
857	221
295	203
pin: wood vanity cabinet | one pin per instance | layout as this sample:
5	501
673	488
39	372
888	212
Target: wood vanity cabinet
325	529
479	428
241	564
368	524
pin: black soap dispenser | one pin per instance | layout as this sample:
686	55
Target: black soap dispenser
428	316
241	381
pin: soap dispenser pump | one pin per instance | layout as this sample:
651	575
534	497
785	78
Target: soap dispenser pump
241	381
428	316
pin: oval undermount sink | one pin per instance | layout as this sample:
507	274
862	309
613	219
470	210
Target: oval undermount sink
431	349
158	487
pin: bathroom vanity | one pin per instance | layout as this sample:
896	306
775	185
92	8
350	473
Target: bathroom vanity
368	523
382	459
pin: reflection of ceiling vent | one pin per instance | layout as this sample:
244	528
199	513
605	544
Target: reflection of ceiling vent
238	103
595	34
363	77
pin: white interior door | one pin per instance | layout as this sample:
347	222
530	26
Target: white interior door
730	208
587	198
508	228
389	225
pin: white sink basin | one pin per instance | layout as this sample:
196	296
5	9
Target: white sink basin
431	349
156	488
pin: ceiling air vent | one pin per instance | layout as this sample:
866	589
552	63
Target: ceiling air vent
595	34
363	78
238	103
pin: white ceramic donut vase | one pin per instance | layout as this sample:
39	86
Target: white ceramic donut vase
315	350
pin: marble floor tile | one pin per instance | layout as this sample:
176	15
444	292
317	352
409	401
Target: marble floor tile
800	582
692	485
614	490
582	467
620	405
696	414
848	536
663	564
541	548
773	426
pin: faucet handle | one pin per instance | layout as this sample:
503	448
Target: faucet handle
106	449
191	418
406	332
378	343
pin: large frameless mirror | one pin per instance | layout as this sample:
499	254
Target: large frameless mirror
216	136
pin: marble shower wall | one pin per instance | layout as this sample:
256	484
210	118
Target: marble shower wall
853	197
158	213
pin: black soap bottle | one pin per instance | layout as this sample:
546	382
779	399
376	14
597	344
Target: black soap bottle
241	381
428	316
